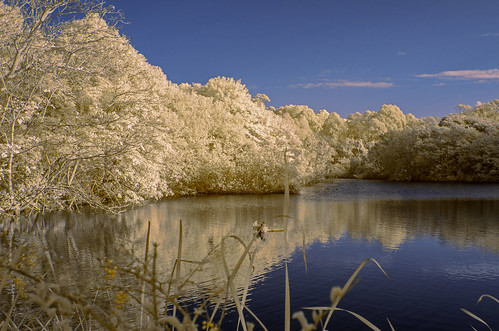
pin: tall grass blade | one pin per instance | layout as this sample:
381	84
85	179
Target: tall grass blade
178	264
142	296
217	306
319	308
303	252
49	259
43	240
287	304
6	322
256	318
348	286
231	275
246	284
345	288
232	288
476	317
487	296
380	268
390	323
362	319
286	182
285	211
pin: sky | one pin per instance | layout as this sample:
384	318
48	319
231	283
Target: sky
345	56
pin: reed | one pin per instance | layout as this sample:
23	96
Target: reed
285	212
475	316
337	293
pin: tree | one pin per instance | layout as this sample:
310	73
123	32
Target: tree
37	64
232	143
459	147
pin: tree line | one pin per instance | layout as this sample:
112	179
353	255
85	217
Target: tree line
86	120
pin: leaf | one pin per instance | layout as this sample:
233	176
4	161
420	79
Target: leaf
362	319
347	286
488	296
390	323
476	317
287	303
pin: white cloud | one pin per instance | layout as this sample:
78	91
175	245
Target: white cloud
345	83
401	53
465	74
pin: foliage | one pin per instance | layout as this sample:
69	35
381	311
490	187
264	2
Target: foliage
86	120
460	147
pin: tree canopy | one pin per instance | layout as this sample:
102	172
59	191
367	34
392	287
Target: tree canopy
86	120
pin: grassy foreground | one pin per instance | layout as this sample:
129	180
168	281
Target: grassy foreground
131	293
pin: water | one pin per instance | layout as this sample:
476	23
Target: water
438	243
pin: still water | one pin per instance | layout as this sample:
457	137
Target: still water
438	243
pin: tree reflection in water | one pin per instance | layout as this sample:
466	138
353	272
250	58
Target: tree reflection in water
80	245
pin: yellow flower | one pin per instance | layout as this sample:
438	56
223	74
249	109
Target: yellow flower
121	298
110	270
209	326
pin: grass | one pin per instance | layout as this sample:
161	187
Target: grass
51	304
475	316
41	300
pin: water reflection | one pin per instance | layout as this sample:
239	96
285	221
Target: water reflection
438	242
462	223
316	217
429	237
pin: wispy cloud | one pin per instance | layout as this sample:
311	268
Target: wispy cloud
328	72
465	74
345	83
490	34
401	53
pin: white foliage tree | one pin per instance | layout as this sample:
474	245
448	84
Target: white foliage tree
460	147
84	119
29	62
234	143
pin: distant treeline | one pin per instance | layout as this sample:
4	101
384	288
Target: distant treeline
85	120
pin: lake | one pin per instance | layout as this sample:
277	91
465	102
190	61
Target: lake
438	243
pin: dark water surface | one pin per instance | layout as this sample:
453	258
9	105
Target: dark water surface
438	243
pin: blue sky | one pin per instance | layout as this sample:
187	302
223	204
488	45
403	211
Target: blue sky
426	56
